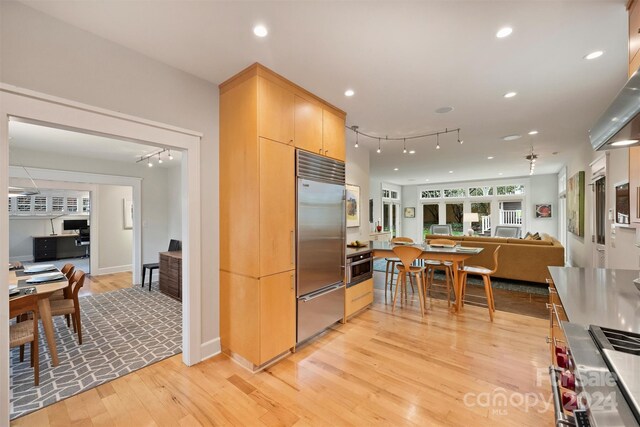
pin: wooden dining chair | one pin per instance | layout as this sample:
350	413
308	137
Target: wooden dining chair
390	269
71	306
27	331
433	265
486	278
407	255
68	270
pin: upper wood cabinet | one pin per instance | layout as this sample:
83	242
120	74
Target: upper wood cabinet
275	111
308	125
634	36
333	135
277	207
634	184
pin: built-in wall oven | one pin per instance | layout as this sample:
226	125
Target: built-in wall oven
359	268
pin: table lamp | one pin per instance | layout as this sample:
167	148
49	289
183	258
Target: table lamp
470	217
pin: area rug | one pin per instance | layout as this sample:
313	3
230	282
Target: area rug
498	283
122	331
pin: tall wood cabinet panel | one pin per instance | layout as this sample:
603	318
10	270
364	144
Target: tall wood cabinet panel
262	117
634	36
333	135
277	314
308	125
276	106
277	207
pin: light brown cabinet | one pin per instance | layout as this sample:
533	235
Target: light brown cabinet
634	184
277	314
634	36
262	117
277	207
276	111
358	297
308	125
333	135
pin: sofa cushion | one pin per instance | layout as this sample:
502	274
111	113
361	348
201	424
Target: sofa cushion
531	242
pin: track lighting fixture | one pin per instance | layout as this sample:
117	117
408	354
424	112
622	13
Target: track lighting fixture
459	140
379	150
404	150
437	141
170	155
403	138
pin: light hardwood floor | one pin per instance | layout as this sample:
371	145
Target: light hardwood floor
381	368
106	283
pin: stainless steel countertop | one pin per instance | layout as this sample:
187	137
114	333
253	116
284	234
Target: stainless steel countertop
596	296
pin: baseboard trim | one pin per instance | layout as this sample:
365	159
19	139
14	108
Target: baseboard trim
112	270
22	258
210	348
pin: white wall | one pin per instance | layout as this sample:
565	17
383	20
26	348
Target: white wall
114	241
543	189
411	226
375	193
57	59
357	173
174	196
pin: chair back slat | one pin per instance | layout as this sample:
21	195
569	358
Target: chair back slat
175	245
495	260
77	281
22	305
407	254
68	270
442	242
402	240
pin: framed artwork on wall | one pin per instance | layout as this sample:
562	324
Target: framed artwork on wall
127	210
353	205
543	210
409	212
575	204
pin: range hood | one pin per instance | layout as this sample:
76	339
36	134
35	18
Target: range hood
619	126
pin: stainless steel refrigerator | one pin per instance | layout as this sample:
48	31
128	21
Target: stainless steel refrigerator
321	234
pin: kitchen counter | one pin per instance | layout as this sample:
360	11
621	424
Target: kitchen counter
358	251
599	296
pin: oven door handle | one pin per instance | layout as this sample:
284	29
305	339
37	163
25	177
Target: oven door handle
560	418
360	262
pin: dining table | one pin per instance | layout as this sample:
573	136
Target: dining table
456	255
44	291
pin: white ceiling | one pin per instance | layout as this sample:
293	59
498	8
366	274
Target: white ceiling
404	60
33	137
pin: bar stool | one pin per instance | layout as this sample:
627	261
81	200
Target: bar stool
407	255
433	265
391	265
486	278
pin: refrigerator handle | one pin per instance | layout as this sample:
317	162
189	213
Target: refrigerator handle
324	292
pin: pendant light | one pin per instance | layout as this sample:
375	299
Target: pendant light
437	141
170	155
404	150
355	128
379	150
459	140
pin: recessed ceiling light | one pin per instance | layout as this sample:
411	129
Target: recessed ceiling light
443	110
412	151
490	158
624	142
511	137
427	180
594	55
510	94
349	92
533	132
450	171
504	32
500	173
260	31
395	169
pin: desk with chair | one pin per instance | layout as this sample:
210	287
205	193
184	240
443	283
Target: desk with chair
60	246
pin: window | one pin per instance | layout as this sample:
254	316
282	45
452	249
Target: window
86	205
385	194
57	204
480	191
510	190
430	194
390	194
454	217
454	192
483	226
39	204
72	204
511	213
23	204
430	216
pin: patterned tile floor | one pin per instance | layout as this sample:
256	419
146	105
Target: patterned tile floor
122	331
